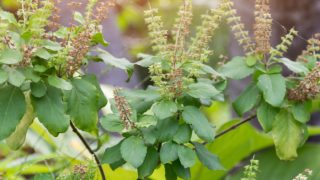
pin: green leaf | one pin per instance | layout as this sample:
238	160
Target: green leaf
164	109
287	135
99	39
133	151
10	56
59	83
43	177
169	172
202	90
183	134
147	60
266	115
166	129
210	160
94	81
199	123
150	163
38	89
296	67
4	15
3	76
77	16
273	87
43	54
247	99
302	111
112	154
182	172
168	152
12	109
237	68
146	121
112	123
120	63
83	105
251	61
149	136
51	45
186	156
16	78
30	74
51	111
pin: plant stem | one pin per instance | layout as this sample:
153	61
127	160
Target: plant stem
236	126
75	130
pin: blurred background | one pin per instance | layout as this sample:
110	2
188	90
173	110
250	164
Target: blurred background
127	34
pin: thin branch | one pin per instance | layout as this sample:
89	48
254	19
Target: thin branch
233	127
75	130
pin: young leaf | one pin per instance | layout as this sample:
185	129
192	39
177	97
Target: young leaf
168	152
186	156
112	154
237	68
208	159
302	111
4	15
112	123
287	135
273	87
77	16
51	111
266	115
133	151
164	109
147	60
83	105
59	83
99	39
202	90
247	99
199	123
50	45
12	109
183	134
10	56
150	163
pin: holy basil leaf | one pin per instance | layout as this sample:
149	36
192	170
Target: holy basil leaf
183	134
237	68
51	111
168	152
150	163
99	39
147	60
83	105
16	78
43	54
164	109
112	123
208	159
186	156
247	99
50	45
266	115
10	56
12	109
134	151
38	89
296	67
4	15
59	83
182	172
112	154
77	16
166	129
302	111
3	76
199	123
94	81
287	135
273	87
169	172
202	90
149	136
